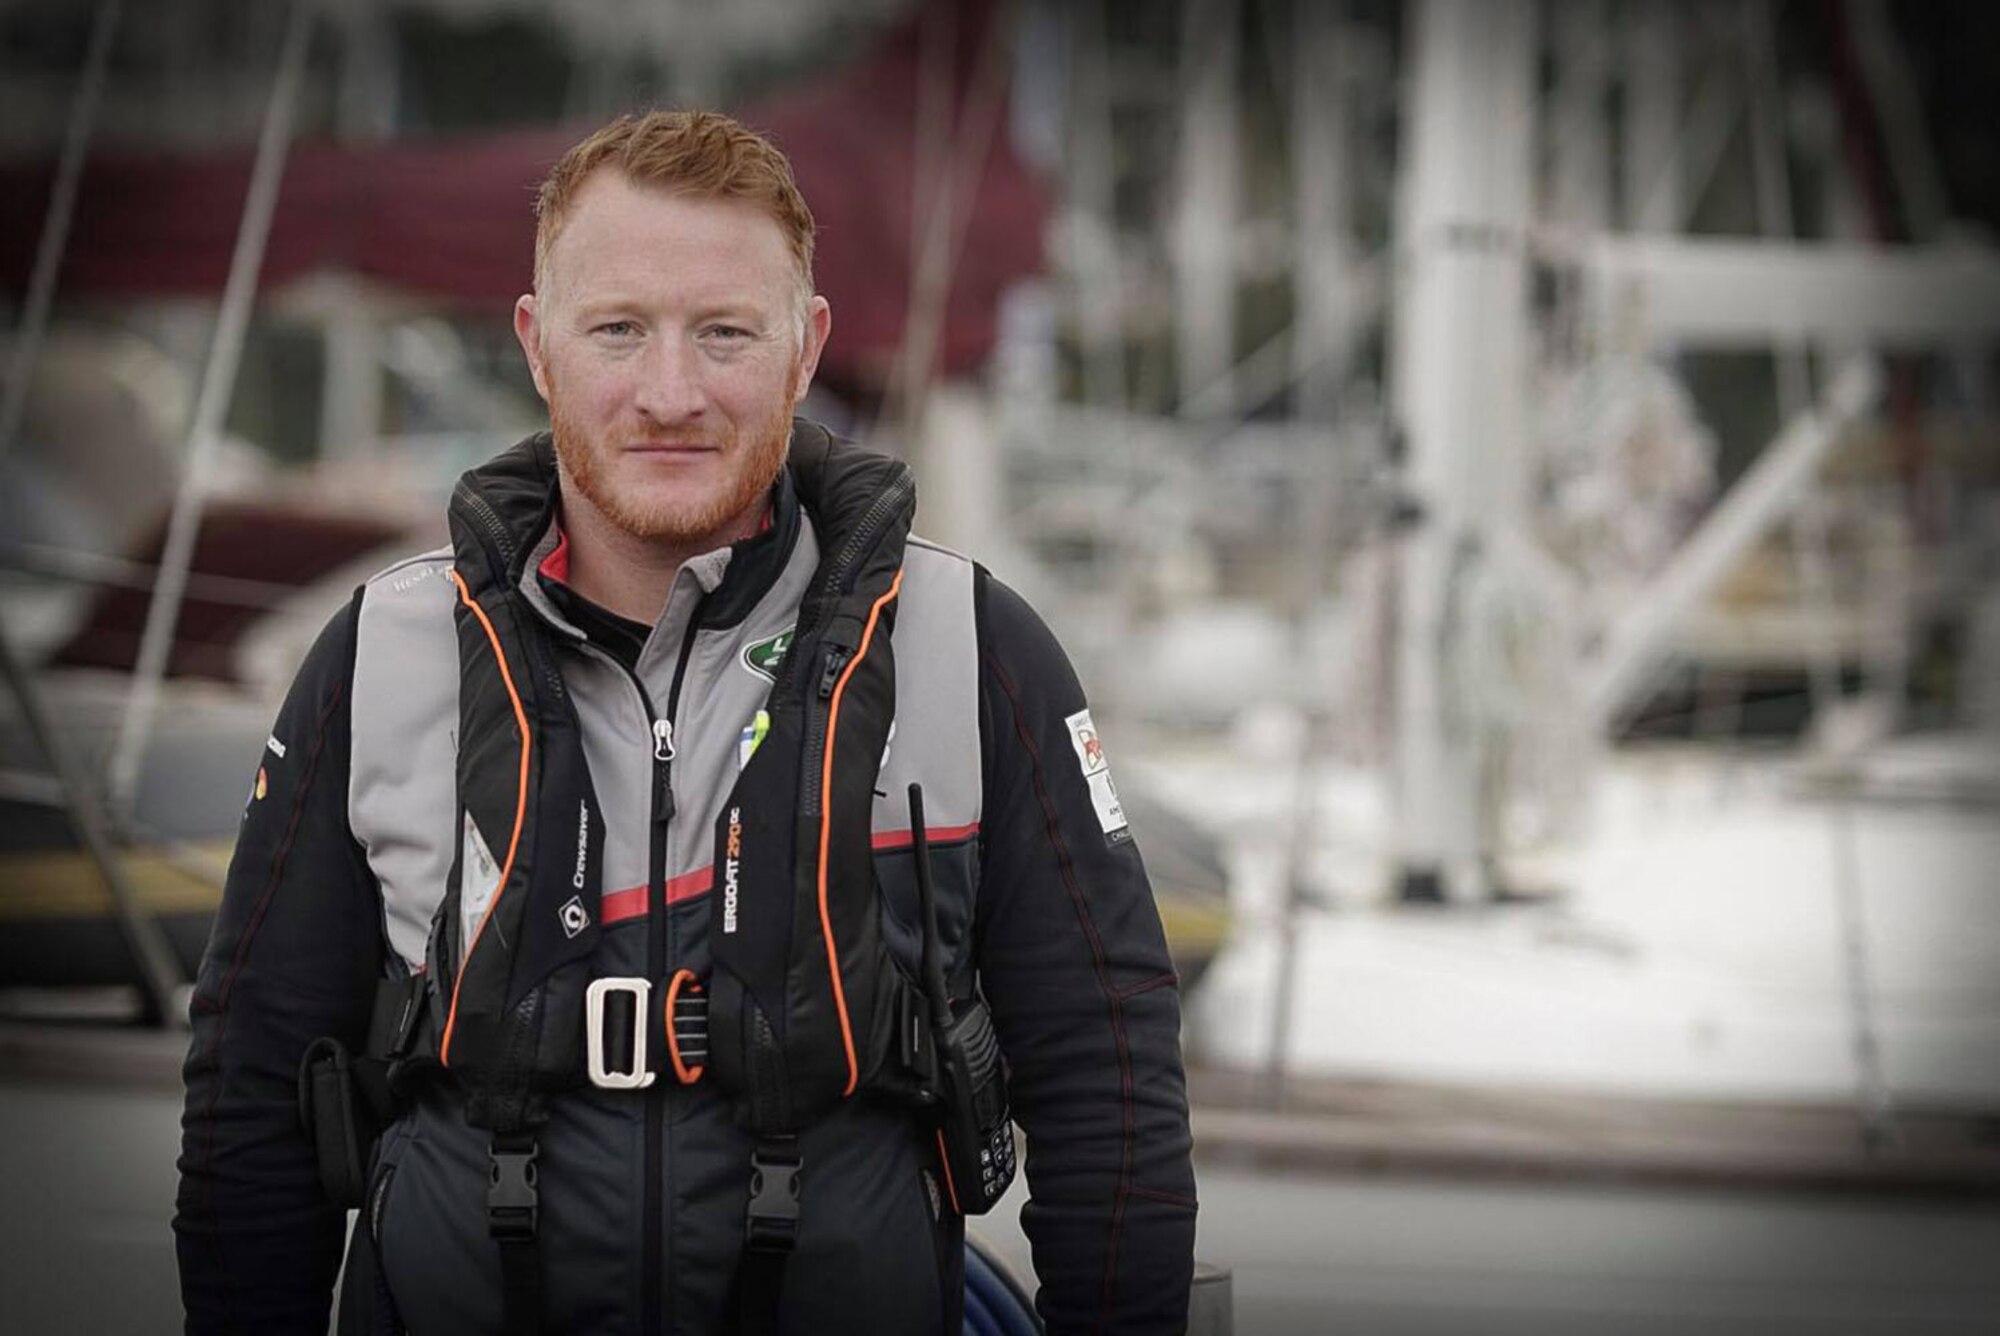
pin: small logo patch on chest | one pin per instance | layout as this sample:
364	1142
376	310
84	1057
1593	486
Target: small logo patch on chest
764	657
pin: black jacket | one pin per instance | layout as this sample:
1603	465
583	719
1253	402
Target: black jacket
1065	938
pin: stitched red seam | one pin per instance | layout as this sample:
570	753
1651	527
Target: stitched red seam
1068	869
1170	1198
279	858
1167	980
220	1006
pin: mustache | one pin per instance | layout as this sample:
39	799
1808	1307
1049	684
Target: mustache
706	436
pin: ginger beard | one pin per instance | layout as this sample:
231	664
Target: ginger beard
681	515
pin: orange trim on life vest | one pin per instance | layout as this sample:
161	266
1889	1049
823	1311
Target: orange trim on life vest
944	1163
520	808
826	827
684	1074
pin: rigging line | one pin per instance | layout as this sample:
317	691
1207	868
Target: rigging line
1697	151
957	179
1811	554
1771	175
217	386
77	566
1097	295
55	224
153	955
937	104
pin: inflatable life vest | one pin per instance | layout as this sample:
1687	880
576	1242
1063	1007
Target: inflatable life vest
803	990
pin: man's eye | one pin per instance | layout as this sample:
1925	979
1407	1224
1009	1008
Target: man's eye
616	329
727	333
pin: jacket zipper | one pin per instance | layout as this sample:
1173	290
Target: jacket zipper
835	659
860	540
864	531
660	732
658	926
477	508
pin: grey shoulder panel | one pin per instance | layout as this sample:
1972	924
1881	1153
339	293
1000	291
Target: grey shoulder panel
401	796
936	737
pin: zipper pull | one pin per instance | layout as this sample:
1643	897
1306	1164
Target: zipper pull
836	659
663	740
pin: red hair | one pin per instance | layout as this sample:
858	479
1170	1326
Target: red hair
700	153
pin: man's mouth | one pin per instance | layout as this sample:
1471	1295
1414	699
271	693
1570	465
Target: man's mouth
672	449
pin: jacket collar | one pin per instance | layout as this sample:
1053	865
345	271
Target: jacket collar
503	513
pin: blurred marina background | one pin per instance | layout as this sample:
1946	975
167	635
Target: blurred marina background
1519	481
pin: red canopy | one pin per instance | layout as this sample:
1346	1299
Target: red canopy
451	219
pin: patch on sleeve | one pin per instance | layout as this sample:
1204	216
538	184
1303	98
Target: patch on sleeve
1097	774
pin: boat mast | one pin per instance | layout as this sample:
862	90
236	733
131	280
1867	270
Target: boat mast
1459	368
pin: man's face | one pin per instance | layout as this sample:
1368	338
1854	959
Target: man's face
671	346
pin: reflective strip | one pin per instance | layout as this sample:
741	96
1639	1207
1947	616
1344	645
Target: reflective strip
630	903
886	840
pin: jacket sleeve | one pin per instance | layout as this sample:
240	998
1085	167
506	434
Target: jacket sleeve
1074	965
294	954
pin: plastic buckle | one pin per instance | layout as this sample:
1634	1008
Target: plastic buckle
773	1225
638	1077
511	1199
687	1027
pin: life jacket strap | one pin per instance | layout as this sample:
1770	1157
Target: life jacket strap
401	1043
776	1170
619	1019
513	1218
617	1061
771	1230
619	1016
396	1017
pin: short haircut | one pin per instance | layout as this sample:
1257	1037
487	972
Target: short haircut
703	154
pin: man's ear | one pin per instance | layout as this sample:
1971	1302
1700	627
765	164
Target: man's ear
528	330
819	324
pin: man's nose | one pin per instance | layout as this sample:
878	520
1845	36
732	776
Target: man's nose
669	388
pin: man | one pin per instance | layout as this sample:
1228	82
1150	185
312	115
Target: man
611	793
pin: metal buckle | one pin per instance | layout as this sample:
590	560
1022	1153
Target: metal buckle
639	1077
511	1198
773	1224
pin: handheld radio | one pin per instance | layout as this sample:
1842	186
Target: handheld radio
975	1133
